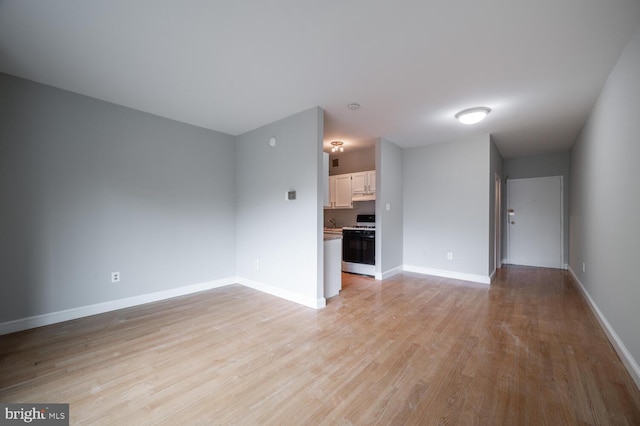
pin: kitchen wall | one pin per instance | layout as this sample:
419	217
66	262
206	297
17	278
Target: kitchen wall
605	206
89	188
446	208
347	217
551	164
280	242
352	161
389	231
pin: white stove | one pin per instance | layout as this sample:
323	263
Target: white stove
359	246
363	221
358	227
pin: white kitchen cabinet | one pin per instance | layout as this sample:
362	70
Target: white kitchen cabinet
347	188
364	185
325	174
371	181
359	183
341	186
339	192
332	192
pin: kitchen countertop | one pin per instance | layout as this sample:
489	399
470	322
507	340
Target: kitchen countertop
332	236
333	230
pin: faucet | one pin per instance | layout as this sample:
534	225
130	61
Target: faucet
332	223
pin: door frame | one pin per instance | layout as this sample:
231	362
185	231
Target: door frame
497	226
562	263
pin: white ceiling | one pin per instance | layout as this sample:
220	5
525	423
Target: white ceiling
236	65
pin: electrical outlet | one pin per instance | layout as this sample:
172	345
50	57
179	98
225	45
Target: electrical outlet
257	264
584	267
115	277
449	256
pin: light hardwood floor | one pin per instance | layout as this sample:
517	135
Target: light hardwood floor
409	350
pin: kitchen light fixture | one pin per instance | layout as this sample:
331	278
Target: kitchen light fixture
337	146
473	115
353	106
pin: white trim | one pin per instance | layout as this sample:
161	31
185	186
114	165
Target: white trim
624	354
388	274
564	266
113	305
562	222
493	275
497	218
482	279
284	294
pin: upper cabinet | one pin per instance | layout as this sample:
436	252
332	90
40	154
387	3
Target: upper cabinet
364	185
371	179
325	172
340	192
346	188
359	182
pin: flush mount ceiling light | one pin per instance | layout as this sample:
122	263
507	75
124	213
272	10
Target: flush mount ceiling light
353	106
473	115
337	146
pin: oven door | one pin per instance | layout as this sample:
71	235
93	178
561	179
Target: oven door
359	246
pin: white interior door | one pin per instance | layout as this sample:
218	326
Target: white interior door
535	221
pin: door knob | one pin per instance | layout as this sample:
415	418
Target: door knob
513	222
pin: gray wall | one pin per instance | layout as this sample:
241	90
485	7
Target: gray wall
552	164
89	187
285	237
495	169
353	161
605	201
389	191
446	205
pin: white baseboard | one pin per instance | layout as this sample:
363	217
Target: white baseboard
564	266
283	294
391	272
492	276
624	354
113	305
482	279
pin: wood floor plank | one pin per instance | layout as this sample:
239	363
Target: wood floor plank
408	350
